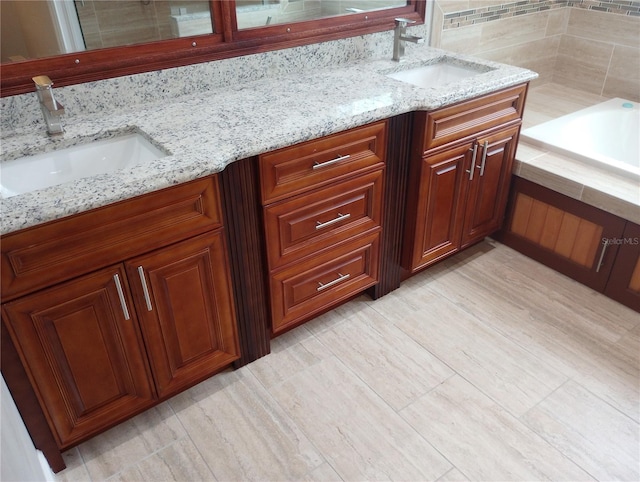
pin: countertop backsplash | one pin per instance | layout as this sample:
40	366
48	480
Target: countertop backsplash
22	111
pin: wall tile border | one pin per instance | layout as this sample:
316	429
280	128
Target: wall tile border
499	11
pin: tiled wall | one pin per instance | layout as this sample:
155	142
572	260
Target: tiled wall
592	45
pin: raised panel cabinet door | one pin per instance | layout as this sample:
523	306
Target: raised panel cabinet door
487	196
624	280
184	300
80	344
439	210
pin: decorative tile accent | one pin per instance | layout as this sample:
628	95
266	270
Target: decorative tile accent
505	10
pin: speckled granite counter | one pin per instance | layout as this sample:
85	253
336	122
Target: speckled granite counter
205	132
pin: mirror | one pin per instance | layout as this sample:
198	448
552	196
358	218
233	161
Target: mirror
258	13
76	41
39	28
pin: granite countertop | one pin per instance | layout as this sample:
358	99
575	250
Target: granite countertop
205	132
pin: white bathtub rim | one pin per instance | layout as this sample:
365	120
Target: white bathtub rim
542	136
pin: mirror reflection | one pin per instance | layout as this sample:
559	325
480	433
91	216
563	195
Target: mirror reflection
44	28
258	13
33	29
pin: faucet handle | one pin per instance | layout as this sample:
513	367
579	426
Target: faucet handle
403	22
42	82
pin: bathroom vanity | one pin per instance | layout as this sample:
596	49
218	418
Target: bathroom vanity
122	290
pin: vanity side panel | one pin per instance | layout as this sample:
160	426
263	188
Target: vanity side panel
242	212
25	399
394	204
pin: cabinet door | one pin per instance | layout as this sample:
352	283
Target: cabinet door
487	198
624	280
183	296
562	233
80	344
439	209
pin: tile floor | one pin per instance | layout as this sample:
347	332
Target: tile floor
487	366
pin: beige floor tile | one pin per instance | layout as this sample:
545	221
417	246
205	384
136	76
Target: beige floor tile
454	475
179	462
337	315
397	368
568	326
503	271
288	357
484	441
131	441
241	432
358	434
501	368
324	473
590	432
75	470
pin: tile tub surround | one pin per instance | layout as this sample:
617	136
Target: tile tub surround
206	131
594	186
594	46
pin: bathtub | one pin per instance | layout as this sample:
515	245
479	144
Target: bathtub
606	134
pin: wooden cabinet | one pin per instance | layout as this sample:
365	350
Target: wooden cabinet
183	298
489	188
84	355
462	158
322	204
104	345
587	244
624	281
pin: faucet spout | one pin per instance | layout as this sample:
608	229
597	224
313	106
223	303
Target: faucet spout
400	37
52	110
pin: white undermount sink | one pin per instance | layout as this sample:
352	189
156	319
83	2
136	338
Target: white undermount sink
38	171
434	75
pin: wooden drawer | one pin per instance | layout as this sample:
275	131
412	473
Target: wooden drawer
315	221
40	256
303	290
469	118
312	164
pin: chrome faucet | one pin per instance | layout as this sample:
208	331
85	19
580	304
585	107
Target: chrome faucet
51	109
400	37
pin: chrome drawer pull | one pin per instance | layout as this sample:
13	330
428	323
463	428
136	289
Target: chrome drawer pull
123	302
318	165
485	148
340	217
473	161
145	290
341	277
605	245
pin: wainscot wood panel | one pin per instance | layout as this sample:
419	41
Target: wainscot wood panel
624	281
561	232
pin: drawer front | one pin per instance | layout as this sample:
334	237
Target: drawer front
312	222
471	117
37	257
312	164
302	291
